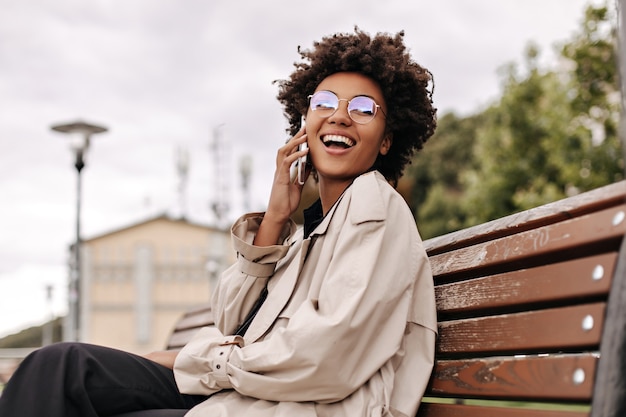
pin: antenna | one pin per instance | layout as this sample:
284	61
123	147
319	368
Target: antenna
245	170
182	169
220	204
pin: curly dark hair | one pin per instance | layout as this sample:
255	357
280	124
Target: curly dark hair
411	117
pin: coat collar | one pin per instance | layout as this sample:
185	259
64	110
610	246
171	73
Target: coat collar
365	199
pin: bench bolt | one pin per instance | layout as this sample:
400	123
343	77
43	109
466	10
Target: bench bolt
598	273
579	376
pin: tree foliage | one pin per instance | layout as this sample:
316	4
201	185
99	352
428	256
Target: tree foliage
552	133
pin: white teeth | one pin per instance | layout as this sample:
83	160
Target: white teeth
339	139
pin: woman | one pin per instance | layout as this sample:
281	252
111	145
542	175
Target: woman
334	319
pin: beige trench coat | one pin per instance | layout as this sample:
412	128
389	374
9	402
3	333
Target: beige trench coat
348	327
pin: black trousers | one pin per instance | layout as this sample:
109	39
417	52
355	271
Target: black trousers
82	380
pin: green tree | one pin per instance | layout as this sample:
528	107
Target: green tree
595	98
515	146
437	171
552	133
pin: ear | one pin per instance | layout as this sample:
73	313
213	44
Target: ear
385	145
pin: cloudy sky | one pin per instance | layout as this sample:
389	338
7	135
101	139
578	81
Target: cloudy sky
164	75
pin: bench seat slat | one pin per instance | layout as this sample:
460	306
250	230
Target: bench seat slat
544	378
565	236
457	410
536	331
580	278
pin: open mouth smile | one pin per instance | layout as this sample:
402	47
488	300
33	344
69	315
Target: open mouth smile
337	140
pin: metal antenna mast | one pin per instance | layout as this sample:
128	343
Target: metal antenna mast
182	169
220	204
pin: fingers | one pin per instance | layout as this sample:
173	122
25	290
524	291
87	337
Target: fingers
289	152
286	190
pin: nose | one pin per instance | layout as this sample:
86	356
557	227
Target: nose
341	115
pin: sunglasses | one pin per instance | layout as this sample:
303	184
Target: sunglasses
361	109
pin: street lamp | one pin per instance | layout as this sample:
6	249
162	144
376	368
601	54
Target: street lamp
80	133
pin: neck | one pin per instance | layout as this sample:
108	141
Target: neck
330	191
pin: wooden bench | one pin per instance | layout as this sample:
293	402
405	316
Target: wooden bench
531	309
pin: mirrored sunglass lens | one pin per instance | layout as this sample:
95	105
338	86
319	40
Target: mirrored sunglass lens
324	101
362	108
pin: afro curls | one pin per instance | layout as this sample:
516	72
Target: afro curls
411	117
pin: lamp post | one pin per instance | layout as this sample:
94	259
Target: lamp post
80	133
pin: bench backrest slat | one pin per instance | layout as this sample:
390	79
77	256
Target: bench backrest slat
541	286
188	325
576	206
193	319
540	331
524	378
533	247
457	410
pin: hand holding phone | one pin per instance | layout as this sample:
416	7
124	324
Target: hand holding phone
303	160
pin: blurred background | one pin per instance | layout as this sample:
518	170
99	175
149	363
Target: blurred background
177	101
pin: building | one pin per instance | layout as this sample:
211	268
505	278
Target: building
138	281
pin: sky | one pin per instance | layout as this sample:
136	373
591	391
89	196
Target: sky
166	77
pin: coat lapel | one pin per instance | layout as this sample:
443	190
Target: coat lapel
279	292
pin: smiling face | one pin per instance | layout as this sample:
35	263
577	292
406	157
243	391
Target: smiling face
340	148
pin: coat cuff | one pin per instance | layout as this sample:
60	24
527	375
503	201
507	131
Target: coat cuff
201	367
253	260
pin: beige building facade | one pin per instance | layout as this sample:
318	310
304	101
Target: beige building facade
138	281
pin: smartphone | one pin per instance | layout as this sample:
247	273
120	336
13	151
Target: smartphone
302	161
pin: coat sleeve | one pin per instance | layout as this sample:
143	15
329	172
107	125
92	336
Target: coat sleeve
335	343
199	367
241	284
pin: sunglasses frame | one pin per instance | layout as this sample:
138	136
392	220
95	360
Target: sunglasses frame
339	100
